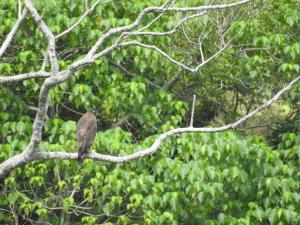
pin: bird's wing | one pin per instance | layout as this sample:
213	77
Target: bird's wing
86	132
81	130
90	132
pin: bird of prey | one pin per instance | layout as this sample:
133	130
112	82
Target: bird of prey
86	132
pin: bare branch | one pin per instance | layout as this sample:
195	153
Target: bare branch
25	76
174	60
12	33
86	4
170	82
19	9
193	111
167	4
172	31
201	50
197	8
72	110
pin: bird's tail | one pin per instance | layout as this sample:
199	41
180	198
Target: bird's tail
80	159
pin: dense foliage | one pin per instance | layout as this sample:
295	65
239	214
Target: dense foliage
223	178
195	179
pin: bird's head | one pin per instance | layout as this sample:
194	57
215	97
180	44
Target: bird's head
94	111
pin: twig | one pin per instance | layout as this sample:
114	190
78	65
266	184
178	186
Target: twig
166	32
193	111
72	110
255	126
122	68
184	66
19	9
166	5
201	50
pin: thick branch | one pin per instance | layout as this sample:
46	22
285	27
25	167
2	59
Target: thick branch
23	159
48	83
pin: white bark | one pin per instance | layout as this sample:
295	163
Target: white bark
25	76
168	57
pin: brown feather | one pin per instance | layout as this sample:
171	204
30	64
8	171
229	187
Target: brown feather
86	133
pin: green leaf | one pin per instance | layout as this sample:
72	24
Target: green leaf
67	203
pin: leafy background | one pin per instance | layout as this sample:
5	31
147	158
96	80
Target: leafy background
249	176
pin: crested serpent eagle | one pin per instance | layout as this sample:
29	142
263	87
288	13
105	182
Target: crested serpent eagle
86	132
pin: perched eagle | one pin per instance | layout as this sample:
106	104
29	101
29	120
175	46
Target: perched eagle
86	132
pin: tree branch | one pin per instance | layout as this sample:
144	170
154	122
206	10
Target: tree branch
172	31
193	111
19	8
25	76
12	33
23	159
168	57
48	83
